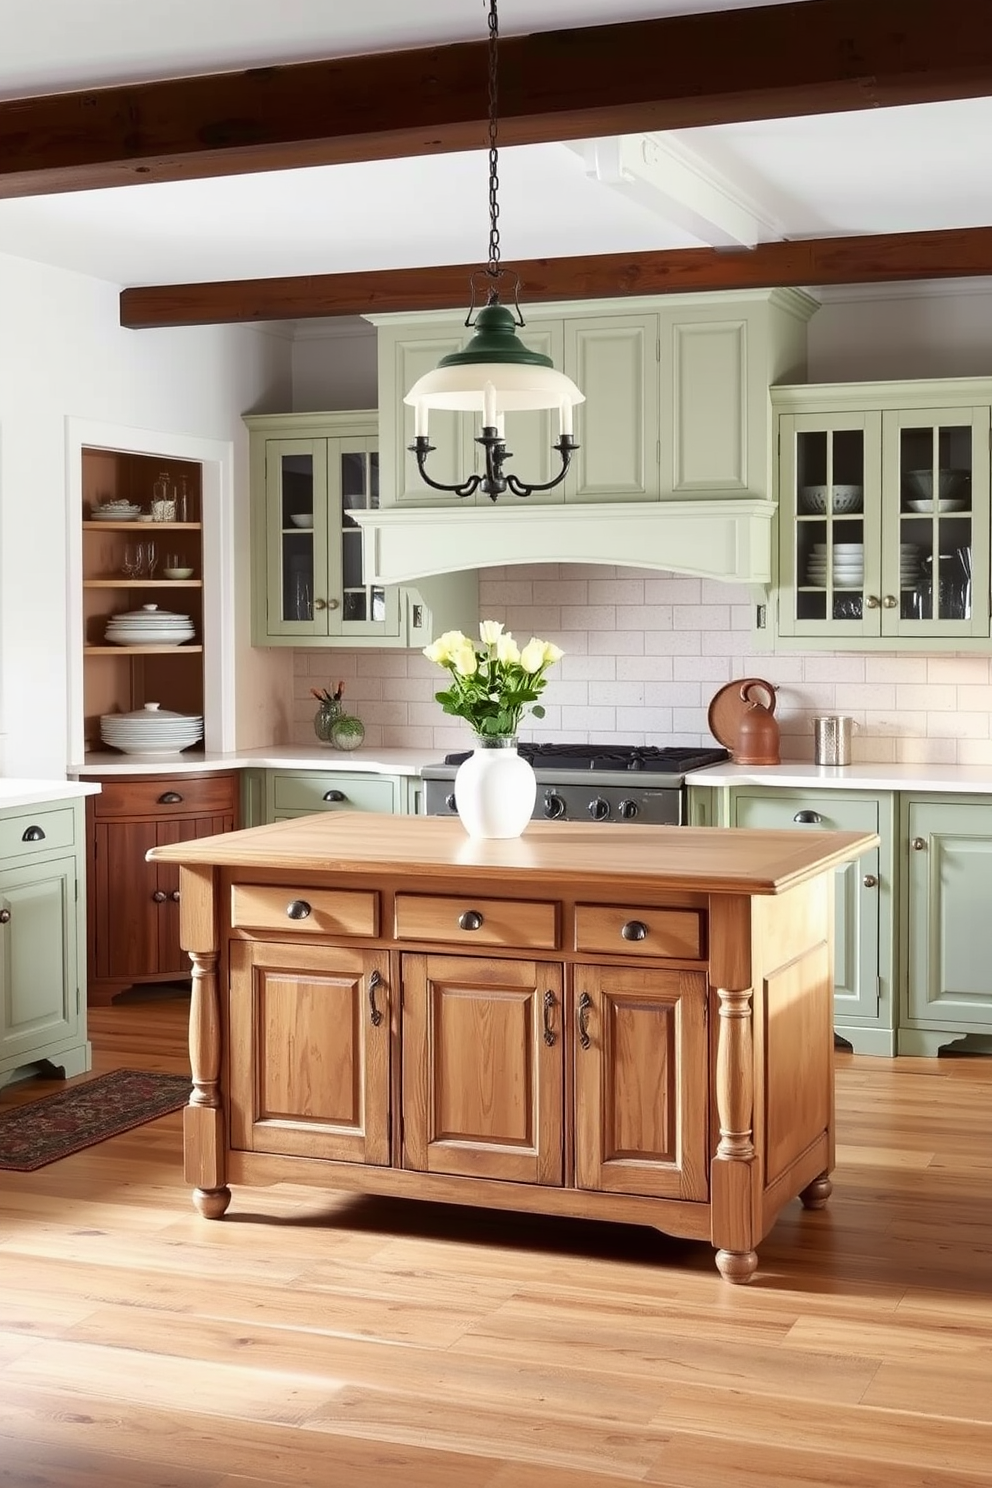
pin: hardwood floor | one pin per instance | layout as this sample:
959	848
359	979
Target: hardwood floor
330	1341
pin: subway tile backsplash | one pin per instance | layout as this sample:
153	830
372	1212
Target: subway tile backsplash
644	653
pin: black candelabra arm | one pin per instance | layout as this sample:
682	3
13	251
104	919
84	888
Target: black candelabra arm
566	447
421	448
495	481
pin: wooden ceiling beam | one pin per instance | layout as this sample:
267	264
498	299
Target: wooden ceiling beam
811	57
815	261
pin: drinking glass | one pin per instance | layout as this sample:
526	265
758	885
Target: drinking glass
150	559
132	561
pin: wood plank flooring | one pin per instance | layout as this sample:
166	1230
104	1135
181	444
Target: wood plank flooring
334	1341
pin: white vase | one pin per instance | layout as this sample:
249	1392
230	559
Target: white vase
495	790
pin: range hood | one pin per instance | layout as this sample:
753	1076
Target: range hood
712	539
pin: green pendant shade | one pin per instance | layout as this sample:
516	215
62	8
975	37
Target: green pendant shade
496	340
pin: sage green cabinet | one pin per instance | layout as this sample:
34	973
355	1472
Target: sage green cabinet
676	403
865	559
277	795
946	921
864	959
309	473
42	1009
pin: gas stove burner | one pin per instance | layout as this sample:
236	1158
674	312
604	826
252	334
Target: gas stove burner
648	757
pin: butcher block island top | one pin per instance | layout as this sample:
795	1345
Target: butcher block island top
611	1022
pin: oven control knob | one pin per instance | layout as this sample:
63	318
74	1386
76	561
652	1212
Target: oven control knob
599	809
554	806
449	801
628	810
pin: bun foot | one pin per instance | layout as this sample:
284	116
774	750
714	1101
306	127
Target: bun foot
211	1202
737	1265
816	1194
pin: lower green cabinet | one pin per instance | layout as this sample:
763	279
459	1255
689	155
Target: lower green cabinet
42	1009
947	922
864	987
278	795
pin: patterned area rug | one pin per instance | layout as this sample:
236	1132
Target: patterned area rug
55	1126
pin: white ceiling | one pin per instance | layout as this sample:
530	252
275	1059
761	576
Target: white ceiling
891	170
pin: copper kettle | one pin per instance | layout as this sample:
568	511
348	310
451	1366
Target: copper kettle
757	734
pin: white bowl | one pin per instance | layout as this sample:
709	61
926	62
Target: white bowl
177	573
845	499
302	519
950	483
946	504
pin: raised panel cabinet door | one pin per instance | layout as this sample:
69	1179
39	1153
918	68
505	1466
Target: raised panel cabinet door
641	1081
38	975
310	1030
614	360
531	437
124	912
482	1068
947	918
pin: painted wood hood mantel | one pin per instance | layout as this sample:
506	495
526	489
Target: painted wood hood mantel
729	540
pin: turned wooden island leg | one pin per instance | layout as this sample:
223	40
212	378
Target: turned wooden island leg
816	1194
733	1170
204	1145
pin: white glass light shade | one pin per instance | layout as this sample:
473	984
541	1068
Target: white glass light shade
463	388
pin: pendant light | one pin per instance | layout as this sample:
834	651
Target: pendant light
495	373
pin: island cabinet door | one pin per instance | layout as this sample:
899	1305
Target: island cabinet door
482	1068
641	1081
310	1051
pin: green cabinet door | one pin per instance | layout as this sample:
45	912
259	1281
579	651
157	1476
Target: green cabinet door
39	993
863	918
947	919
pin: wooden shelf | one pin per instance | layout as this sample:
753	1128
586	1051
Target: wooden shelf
137	527
142	583
140	650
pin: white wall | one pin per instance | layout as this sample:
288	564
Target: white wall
64	355
334	365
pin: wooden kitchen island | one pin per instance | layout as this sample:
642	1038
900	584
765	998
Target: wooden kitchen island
627	1023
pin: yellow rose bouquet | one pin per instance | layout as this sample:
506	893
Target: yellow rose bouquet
495	682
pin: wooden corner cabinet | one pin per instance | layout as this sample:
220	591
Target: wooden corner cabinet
382	1004
42	951
133	904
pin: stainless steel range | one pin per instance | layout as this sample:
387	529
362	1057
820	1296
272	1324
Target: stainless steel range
602	782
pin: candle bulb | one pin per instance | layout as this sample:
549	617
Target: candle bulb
566	419
420	419
489	406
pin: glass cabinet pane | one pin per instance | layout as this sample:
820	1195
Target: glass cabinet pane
829	555
935	522
296	484
359	492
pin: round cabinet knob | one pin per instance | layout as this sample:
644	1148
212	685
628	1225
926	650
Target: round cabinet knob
470	920
298	909
599	809
4	916
808	818
333	604
871	601
628	810
870	881
554	806
889	602
320	604
634	930
160	896
175	895
919	844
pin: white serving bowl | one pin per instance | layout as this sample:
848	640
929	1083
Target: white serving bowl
151	731
302	519
919	483
177	573
948	504
845	499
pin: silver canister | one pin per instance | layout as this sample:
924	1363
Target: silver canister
832	739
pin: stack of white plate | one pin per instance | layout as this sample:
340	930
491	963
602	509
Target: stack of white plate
151	731
115	511
846	565
149	626
909	565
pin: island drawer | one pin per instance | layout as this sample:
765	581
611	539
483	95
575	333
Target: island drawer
467	920
36	829
615	929
304	912
176	795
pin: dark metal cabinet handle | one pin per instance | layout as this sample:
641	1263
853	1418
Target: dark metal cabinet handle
549	1007
169	798
160	896
4	916
634	930
470	920
808	818
33	834
175	895
334	795
375	980
582	1018
298	909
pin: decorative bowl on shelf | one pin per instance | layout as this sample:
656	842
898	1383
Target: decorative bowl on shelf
115	511
950	484
845	499
149	626
151	732
302	519
177	573
925	506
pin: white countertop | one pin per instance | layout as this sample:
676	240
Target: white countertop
19	792
275	757
803	774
